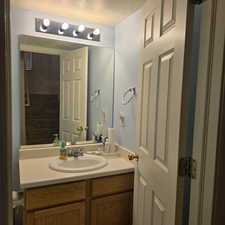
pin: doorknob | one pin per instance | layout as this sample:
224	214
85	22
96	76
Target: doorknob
133	156
81	129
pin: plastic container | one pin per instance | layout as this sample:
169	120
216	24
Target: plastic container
56	139
63	154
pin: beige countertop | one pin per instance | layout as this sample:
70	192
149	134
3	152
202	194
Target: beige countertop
35	172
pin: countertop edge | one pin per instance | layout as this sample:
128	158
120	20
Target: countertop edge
37	184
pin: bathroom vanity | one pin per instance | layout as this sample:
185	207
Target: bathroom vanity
99	201
97	197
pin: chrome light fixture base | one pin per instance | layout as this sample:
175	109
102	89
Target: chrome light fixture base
71	31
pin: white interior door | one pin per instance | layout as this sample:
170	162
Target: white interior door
164	33
73	95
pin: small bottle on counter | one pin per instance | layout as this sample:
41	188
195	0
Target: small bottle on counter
99	132
63	151
56	139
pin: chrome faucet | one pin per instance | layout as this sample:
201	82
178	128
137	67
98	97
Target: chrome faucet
75	152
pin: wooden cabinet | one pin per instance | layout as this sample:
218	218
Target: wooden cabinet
99	201
71	214
112	210
112	184
39	198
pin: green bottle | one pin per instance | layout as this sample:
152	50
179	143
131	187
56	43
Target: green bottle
63	150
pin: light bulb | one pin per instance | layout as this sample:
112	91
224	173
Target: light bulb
46	23
96	32
81	28
64	26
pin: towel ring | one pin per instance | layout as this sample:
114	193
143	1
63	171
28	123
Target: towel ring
132	95
95	95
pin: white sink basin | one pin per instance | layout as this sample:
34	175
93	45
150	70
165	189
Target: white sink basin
80	164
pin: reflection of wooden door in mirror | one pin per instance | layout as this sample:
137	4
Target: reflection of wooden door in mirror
73	95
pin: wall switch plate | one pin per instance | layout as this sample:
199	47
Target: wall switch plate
122	119
103	114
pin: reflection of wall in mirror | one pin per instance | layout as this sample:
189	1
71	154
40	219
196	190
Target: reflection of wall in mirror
100	77
127	58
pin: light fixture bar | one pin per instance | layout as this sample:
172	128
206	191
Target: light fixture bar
68	30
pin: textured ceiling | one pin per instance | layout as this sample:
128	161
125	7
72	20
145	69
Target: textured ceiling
109	12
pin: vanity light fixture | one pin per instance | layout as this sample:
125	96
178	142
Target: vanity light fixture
80	31
64	27
45	24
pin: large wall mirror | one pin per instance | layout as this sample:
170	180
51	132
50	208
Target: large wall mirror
67	91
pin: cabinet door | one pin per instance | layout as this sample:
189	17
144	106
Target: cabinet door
50	196
112	210
73	214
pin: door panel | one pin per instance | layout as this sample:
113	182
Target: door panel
160	104
149	29
165	71
147	75
144	202
158	211
73	110
168	15
76	100
66	100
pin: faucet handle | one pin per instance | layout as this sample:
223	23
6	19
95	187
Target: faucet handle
75	152
104	140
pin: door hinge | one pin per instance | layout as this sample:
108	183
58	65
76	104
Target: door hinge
197	2
188	167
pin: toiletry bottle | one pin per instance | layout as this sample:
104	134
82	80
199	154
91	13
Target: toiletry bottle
99	133
107	146
56	139
63	151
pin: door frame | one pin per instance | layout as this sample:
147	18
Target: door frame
218	215
207	111
5	116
